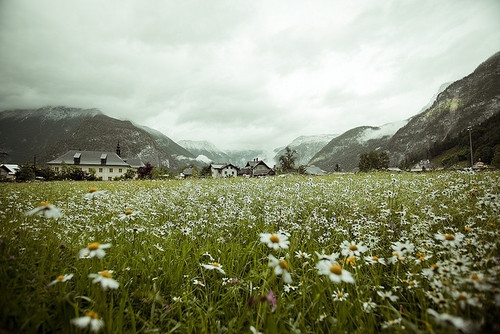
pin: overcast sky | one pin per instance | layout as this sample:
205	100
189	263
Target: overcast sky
241	74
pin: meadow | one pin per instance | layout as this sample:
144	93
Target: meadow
344	253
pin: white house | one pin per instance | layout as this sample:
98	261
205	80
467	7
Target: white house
8	171
224	170
106	165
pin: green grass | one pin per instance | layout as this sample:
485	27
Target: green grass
157	253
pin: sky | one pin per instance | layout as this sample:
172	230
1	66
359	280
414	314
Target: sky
241	74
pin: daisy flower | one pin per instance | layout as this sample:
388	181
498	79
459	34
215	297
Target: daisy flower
388	296
91	319
327	257
61	278
340	296
45	209
369	306
374	260
128	214
448	239
352	249
105	277
214	266
334	271
94	249
275	241
302	255
93	192
446	318
402	248
280	268
198	282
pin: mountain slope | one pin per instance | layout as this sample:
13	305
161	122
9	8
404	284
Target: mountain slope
204	148
346	148
51	131
306	147
466	102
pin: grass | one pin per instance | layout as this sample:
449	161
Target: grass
437	234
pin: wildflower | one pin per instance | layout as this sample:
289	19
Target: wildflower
94	249
105	277
275	241
446	318
334	271
214	266
254	330
280	268
93	192
390	323
271	299
60	279
340	296
128	214
325	257
45	209
352	249
91	319
374	260
369	306
388	296
464	298
177	299
402	248
302	255
288	287
197	282
450	239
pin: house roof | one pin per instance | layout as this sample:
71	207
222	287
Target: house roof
252	164
89	158
224	165
11	169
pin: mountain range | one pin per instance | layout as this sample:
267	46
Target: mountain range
470	102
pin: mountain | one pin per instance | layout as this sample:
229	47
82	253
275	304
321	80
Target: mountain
51	131
345	149
204	151
466	102
306	147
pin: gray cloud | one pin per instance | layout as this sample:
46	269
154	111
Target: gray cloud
251	74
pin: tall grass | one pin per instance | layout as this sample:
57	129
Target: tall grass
435	237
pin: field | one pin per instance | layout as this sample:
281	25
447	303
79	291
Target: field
344	253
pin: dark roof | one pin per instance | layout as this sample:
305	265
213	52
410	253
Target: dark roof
89	158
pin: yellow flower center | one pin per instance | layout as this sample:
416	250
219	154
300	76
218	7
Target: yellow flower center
411	283
351	260
92	315
475	277
336	269
353	247
128	212
374	258
340	295
274	238
94	246
92	190
467	228
462	297
449	237
106	273
283	264
44	204
215	264
60	278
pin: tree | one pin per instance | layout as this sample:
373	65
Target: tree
287	160
373	160
145	172
496	157
384	160
130	174
25	172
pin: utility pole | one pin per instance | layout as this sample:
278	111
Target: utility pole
469	128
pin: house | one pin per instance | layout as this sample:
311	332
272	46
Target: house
8	171
223	170
186	172
107	165
423	165
258	167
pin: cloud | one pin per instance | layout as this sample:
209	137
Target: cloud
248	74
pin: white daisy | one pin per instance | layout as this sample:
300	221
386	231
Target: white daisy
105	277
61	278
352	249
94	249
45	209
275	241
334	271
280	268
214	266
91	319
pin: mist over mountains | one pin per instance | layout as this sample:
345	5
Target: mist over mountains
48	132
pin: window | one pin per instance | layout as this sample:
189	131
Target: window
120	170
100	169
111	170
56	169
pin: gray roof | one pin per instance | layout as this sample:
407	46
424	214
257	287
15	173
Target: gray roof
92	158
